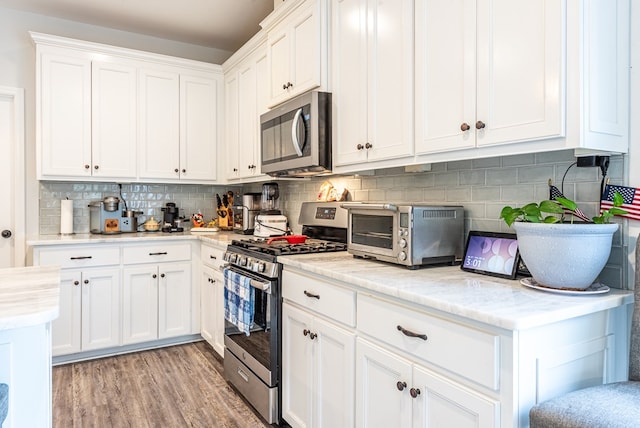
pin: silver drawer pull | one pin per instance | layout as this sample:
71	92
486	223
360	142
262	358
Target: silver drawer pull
313	296
80	257
411	334
243	375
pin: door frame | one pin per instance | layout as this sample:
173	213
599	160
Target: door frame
15	96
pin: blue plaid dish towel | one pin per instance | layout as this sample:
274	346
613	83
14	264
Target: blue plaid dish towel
239	300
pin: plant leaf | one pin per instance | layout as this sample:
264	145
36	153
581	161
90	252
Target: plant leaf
551	207
567	203
618	200
550	219
618	211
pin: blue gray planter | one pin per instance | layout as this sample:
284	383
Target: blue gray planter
564	255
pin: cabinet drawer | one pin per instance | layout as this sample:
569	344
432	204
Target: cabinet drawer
333	301
79	256
156	253
466	351
211	256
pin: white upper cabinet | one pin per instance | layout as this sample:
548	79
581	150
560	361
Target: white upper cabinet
246	89
159	124
296	50
178	125
110	113
64	106
506	77
113	119
487	73
372	80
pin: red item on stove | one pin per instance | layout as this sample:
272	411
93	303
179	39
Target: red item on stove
291	239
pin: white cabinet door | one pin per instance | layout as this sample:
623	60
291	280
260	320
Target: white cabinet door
159	149
100	308
199	104
246	99
140	304
372	57
249	120
174	299
520	98
207	305
295	53
334	370
439	402
488	73
297	367
382	393
114	120
66	332
65	116
231	120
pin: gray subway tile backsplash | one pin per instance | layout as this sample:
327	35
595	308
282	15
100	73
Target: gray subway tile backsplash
484	185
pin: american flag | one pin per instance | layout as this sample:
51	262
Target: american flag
631	196
555	193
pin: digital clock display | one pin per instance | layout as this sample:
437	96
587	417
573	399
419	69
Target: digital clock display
491	253
325	213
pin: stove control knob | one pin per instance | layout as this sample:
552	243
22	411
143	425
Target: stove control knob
402	256
250	264
260	267
243	261
403	243
233	258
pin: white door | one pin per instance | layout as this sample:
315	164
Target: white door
113	120
199	127
174	299
65	330
12	213
297	367
382	393
140	304
439	403
335	375
100	308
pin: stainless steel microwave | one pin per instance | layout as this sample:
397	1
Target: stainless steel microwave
409	235
295	137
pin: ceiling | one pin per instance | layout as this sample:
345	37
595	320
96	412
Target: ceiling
220	24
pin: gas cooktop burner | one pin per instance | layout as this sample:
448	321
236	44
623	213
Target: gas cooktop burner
281	248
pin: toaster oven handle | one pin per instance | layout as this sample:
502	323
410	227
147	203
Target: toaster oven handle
367	206
294	133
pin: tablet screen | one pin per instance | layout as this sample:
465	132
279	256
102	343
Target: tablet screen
491	253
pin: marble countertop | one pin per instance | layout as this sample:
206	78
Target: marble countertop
28	296
494	301
221	238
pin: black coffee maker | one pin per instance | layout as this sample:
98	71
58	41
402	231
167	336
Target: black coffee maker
171	221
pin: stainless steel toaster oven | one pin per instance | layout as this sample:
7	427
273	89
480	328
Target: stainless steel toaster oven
410	235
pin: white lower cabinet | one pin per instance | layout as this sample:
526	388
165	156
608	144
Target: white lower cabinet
393	391
157	301
121	294
211	298
89	311
317	371
318	352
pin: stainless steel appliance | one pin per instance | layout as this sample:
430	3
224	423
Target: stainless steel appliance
245	214
270	221
409	235
252	363
296	136
105	217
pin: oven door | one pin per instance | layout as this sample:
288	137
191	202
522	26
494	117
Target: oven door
373	229
258	350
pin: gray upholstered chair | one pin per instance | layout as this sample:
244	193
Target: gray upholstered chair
4	402
611	405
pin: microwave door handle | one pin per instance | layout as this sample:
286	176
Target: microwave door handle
367	206
294	133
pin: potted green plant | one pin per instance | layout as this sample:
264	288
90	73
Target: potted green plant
560	252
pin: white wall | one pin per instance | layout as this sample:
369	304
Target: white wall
633	160
17	69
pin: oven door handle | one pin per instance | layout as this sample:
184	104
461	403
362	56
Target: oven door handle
260	285
367	206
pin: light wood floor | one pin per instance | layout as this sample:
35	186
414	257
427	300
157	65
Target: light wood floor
178	386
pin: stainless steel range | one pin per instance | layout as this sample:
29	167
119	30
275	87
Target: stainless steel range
252	338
